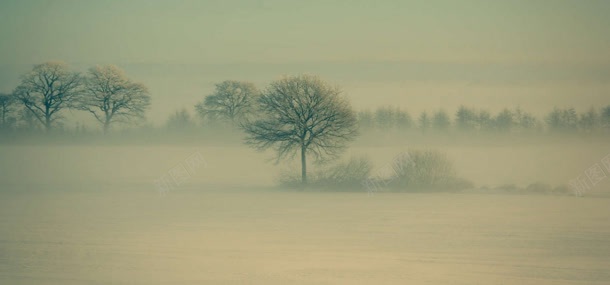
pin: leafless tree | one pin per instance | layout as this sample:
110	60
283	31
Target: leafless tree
180	120
111	97
232	101
302	113
47	90
7	108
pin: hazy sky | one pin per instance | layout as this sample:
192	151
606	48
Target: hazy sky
403	47
296	31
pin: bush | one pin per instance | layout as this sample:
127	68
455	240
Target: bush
344	176
538	187
534	188
562	189
507	188
426	170
457	183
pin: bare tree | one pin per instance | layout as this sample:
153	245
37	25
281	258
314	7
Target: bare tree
589	121
441	121
466	119
365	119
484	121
111	97
560	120
302	113
7	108
605	118
180	120
47	90
384	118
232	101
424	121
504	121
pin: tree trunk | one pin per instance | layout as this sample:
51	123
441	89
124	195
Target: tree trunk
303	166
106	126
47	123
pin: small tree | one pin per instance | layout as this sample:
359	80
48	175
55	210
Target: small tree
111	97
465	119
605	117
525	121
562	120
384	118
7	109
302	113
180	120
47	90
403	119
484	121
504	121
424	122
589	121
365	119
232	101
441	121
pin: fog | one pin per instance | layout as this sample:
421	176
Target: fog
110	162
461	143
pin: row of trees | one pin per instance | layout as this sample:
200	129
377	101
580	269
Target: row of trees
468	120
106	93
295	115
232	102
51	88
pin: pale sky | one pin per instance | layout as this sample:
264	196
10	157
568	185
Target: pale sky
295	31
396	49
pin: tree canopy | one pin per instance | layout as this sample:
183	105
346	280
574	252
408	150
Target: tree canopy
232	101
302	113
112	97
47	90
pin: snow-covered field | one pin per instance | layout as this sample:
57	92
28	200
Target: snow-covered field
93	215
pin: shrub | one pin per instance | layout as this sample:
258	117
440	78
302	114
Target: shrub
534	188
344	176
425	170
538	187
507	188
561	189
457	183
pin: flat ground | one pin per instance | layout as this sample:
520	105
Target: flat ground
99	226
266	237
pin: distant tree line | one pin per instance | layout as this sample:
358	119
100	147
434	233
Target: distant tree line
470	120
50	89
